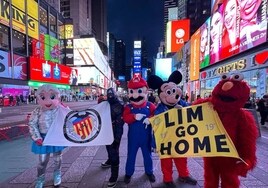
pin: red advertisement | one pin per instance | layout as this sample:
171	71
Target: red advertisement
178	33
46	71
230	29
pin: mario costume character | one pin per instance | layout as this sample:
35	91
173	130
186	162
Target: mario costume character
169	94
228	98
136	115
48	98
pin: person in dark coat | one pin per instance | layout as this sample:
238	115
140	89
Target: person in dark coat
117	123
262	110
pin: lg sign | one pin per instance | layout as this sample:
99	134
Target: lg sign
177	34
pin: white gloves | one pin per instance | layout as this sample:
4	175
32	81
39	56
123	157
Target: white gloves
138	117
146	121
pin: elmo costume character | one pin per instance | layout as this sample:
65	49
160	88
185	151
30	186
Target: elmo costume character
169	94
228	99
136	115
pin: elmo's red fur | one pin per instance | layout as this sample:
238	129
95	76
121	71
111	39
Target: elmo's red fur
228	99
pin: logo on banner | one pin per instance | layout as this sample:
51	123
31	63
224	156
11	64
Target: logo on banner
82	126
179	36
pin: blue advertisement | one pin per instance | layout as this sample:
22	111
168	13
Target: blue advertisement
56	72
4	65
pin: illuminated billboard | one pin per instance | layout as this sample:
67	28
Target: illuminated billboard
86	51
137	44
18	16
253	23
178	32
163	68
204	44
46	71
195	59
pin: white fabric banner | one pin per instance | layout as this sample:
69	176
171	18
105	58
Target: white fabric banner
90	127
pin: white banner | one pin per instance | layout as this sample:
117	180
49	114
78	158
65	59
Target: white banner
90	127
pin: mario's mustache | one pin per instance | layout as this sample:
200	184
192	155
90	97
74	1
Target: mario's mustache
136	99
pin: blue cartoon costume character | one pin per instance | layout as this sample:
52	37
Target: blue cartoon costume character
136	115
170	96
42	118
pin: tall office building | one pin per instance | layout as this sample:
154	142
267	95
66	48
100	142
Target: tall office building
198	11
120	59
89	19
167	5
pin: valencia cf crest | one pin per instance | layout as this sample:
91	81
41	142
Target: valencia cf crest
82	126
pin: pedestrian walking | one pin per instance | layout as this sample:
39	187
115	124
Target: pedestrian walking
261	108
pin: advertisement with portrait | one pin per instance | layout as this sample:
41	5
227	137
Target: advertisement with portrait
46	71
216	24
195	52
178	32
87	75
204	44
20	67
253	23
163	68
5	64
230	29
69	52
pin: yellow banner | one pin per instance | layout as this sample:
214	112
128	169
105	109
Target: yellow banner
20	4
194	131
32	8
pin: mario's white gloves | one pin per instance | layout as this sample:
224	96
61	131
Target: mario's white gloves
138	117
146	121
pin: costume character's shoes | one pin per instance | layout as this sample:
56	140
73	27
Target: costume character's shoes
127	179
112	182
106	164
151	177
57	177
40	182
170	184
188	180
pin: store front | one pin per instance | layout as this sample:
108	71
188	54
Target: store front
253	67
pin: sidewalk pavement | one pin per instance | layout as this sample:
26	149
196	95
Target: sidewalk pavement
81	169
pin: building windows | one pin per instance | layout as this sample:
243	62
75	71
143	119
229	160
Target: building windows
19	42
4	45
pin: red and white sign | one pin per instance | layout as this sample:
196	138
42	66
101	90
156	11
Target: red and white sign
46	71
178	32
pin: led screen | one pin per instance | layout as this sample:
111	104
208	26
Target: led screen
163	68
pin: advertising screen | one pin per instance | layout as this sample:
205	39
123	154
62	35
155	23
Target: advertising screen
204	44
20	67
5	64
216	24
230	29
46	71
86	75
178	33
83	52
163	68
253	23
195	52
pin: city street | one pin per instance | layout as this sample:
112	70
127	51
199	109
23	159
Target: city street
81	165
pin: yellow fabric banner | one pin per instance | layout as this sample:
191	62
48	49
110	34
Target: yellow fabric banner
194	131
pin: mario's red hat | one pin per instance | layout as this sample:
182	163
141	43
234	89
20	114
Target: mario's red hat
137	82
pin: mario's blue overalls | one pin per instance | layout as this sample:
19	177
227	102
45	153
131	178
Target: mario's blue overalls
139	136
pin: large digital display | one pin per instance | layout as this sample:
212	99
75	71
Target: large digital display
204	44
195	47
163	68
236	26
46	71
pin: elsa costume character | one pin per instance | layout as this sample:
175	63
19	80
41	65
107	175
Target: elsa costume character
42	117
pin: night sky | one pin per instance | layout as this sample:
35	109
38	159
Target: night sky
133	19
